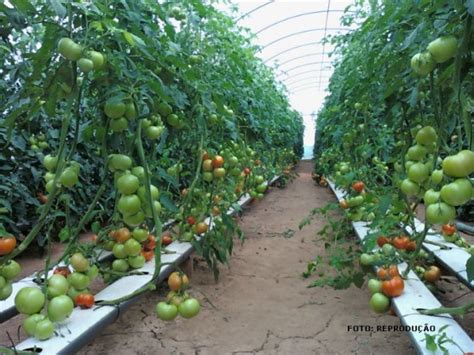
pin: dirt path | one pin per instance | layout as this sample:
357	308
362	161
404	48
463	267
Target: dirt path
261	304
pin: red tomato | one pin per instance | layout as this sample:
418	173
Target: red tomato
358	186
150	243
7	244
85	300
393	287
448	229
381	241
191	220
217	162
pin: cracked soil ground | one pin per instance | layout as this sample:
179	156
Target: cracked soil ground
261	304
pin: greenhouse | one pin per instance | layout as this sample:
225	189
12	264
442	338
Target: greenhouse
236	177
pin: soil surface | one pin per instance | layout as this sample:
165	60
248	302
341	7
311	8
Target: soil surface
261	304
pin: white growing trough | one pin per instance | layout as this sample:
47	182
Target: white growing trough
417	296
84	324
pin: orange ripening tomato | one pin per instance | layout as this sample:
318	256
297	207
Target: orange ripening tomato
384	273
393	287
148	254
150	243
217	162
358	186
42	198
216	211
177	280
166	240
401	242
85	300
411	246
247	171
205	155
381	241
7	244
343	204
122	235
448	229
201	228
62	270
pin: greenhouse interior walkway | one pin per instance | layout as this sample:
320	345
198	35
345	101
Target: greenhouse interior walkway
261	304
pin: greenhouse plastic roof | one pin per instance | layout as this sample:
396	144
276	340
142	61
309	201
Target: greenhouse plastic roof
290	35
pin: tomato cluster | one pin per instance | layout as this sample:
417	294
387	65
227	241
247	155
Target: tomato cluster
178	300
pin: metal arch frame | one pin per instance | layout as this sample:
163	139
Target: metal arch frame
325	33
302	73
255	9
304	79
303	65
296	16
290	49
296	58
311	86
302	32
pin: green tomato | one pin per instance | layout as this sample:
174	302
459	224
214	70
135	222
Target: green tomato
148	211
49	176
129	204
114	108
155	193
379	303
388	249
457	193
132	247
166	311
417	152
459	165
375	285
29	324
189	308
426	136
44	329
78	280
119	162
134	219
431	196
262	187
139	172
10	270
69	49
119	251
59	308
79	262
219	173
57	285
443	48
259	179
154	132
164	109
140	234
136	262
130	111
437	176
119	124
29	300
50	162
93	272
6	290
128	184
97	59
173	120
69	177
85	65
207	176
410	188
418	172
3	281
366	259
422	63
120	265
440	213
355	201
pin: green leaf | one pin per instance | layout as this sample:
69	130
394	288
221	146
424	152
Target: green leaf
470	268
470	7
430	342
58	7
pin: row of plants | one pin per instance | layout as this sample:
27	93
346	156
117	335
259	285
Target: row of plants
400	105
117	116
